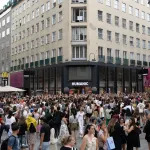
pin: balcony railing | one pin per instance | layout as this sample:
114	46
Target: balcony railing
125	61
132	62
53	60
139	63
118	61
109	59
101	58
59	59
144	63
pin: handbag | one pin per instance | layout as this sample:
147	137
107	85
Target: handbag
110	143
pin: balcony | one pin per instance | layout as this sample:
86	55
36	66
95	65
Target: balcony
118	61
139	63
144	63
27	65
53	60
22	66
79	1
125	61
31	64
101	58
132	62
41	62
47	61
36	63
109	59
59	59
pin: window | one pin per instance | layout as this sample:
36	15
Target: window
37	42
143	29
137	12
8	31
53	52
60	16
24	20
8	19
100	15
116	4
79	52
37	12
47	54
149	45
60	34
138	57
48	6
131	55
79	33
32	29
42	9
131	25
130	10
53	36
54	19
3	34
32	44
28	17
143	15
144	57
32	58
108	2
137	42
137	27
109	52
148	17
124	54
53	3
42	40
123	7
108	35
60	51
124	23
100	51
28	46
37	57
37	27
116	20
42	25
109	18
100	33
32	14
3	23
131	41
144	44
42	56
124	39
117	53
117	37
28	31
47	22
148	30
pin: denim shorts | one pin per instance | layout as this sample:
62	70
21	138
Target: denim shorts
46	146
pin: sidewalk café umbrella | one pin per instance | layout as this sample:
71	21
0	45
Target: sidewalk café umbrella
10	89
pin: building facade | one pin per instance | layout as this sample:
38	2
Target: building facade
5	43
83	45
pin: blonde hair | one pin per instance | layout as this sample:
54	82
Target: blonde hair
66	140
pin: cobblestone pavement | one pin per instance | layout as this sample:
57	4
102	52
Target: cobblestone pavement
144	145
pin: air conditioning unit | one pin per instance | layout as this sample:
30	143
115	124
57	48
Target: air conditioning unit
80	18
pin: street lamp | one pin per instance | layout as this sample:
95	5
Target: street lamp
94	56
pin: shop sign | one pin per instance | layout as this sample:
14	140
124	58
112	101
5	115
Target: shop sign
80	83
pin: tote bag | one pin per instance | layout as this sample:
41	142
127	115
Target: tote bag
110	143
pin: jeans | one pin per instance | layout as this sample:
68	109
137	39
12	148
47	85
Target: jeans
46	146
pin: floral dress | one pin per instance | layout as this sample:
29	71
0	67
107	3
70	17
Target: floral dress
91	145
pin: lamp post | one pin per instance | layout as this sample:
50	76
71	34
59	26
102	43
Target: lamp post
90	56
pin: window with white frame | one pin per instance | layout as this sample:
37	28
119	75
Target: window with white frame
116	4
42	40
149	45
24	7
116	20
32	44
3	23
148	31
48	6
23	47
100	33
109	35
53	3
47	22
60	16
123	7
32	14
24	20
100	51
42	56
37	57
131	25
144	44
42	9
27	59
53	36
37	12
32	58
37	42
132	55
42	25
108	18
79	33
37	27
8	19
47	38
8	31
137	27
3	34
53	52
79	52
108	2
137	42
109	52
125	55
137	12
117	53
100	15
28	17
124	22
117	37
143	15
131	41
143	29
54	19
130	10
138	57
124	38
148	17
144	57
60	51
32	29
28	46
47	54
60	34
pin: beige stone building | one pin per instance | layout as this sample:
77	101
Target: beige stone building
83	45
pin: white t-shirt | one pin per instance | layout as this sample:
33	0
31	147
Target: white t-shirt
101	112
141	107
9	122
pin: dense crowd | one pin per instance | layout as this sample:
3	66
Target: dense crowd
103	122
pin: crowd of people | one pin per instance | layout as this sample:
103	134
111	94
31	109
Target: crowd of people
101	121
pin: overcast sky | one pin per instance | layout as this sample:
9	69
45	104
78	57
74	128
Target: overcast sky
2	3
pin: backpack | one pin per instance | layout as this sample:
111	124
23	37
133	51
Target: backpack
32	128
4	145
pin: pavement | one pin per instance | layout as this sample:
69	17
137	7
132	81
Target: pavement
144	145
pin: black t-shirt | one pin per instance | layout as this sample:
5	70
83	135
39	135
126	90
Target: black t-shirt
65	148
46	130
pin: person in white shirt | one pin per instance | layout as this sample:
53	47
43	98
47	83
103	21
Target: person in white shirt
101	112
